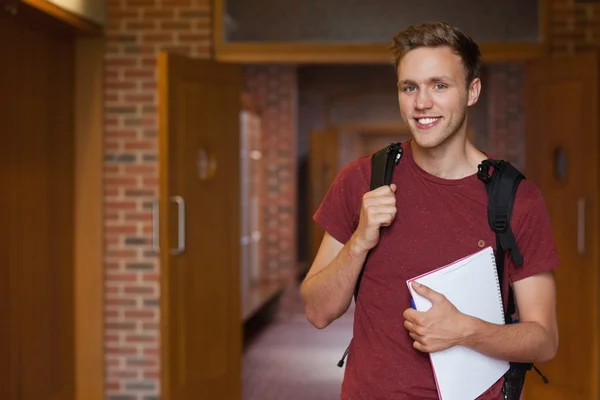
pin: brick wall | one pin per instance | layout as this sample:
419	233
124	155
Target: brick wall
505	124
137	30
274	89
574	26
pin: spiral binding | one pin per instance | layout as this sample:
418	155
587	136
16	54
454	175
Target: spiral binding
498	285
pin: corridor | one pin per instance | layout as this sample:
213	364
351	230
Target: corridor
292	360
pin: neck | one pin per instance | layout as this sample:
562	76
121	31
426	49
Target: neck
456	158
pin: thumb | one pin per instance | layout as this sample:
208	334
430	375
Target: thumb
393	187
426	291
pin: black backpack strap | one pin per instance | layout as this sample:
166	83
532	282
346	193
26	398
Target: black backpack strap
501	187
382	168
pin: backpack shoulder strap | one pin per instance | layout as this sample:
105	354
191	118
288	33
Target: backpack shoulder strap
382	165
382	168
501	187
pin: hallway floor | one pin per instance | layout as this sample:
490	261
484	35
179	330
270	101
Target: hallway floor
292	360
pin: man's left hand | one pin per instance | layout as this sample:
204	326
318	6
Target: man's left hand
437	329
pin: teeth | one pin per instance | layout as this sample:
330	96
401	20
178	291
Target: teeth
427	121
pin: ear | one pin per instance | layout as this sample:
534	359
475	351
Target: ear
474	90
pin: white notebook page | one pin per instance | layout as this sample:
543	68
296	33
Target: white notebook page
471	284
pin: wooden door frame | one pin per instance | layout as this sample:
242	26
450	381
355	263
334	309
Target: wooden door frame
88	238
88	243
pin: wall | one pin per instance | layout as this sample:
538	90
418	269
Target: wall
136	31
274	89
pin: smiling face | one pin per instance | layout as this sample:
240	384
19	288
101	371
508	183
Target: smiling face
433	94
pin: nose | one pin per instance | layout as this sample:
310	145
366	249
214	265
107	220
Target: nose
423	100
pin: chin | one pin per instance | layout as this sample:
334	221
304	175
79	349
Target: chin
428	140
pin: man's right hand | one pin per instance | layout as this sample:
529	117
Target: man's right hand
378	209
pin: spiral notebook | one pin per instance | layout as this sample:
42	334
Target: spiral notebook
472	285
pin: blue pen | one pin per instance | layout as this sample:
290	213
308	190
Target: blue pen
412	303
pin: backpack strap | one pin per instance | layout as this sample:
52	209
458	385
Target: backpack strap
382	168
501	187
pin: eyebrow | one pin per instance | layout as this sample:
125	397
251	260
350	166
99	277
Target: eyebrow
433	79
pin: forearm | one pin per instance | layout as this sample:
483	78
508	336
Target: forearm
327	294
520	342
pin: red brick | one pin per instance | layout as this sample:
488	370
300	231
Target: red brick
121	229
121	205
142	339
121	350
141	170
140	25
115	277
118	134
128	182
141	145
139	290
160	14
140	314
122	254
140	98
176	25
159	37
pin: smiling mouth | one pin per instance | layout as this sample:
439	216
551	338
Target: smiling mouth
428	121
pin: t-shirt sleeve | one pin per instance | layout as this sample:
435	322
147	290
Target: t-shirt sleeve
339	211
534	236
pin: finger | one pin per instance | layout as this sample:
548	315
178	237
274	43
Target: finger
382	210
380	200
379	191
427	292
413	328
419	346
383	219
418	338
413	316
393	187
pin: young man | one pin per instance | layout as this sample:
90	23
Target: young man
433	213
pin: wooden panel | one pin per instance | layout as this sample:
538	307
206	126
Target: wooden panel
201	335
89	223
323	167
353	53
39	84
561	112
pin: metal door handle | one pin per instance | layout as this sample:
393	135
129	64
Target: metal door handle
180	225
581	226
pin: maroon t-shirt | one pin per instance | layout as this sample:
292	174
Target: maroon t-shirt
438	221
